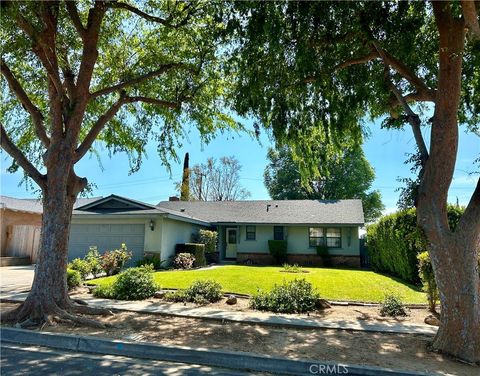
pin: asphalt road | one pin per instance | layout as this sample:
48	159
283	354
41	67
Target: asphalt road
34	360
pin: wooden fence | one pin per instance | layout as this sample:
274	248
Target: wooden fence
23	241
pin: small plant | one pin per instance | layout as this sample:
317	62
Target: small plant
199	292
82	266
113	261
425	271
296	296
209	238
104	291
95	261
135	284
183	261
151	259
74	278
278	249
393	306
295	268
324	253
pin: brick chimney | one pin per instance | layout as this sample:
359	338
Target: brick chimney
173	198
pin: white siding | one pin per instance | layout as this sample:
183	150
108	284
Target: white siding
174	232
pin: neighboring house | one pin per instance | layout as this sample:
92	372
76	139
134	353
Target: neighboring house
244	228
20	225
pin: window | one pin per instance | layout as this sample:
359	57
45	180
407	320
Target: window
316	236
278	233
334	238
331	237
251	232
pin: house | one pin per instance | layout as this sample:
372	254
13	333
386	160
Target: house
244	228
20	225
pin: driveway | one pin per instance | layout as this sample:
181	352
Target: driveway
16	278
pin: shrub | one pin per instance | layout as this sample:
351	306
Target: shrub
113	261
135	284
151	259
324	253
393	306
278	249
425	270
209	238
104	291
394	242
74	278
95	261
183	261
82	266
292	268
200	292
198	250
296	296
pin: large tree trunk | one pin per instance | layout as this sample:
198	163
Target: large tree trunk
453	253
459	285
48	299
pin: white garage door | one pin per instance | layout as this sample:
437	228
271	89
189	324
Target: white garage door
106	237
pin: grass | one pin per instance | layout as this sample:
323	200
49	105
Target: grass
333	284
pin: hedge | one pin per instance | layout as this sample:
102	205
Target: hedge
395	241
196	249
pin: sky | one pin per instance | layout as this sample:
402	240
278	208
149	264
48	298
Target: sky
385	149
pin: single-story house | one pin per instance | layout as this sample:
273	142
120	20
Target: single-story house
244	228
20	225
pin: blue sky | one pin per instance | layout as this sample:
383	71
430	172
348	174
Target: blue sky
385	149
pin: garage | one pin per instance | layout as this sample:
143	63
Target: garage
106	237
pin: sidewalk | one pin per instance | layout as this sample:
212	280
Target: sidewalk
264	318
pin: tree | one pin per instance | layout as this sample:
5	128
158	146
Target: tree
217	180
185	186
345	174
118	72
317	69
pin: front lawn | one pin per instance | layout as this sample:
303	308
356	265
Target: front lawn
333	284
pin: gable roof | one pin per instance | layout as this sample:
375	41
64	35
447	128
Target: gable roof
33	205
346	212
114	203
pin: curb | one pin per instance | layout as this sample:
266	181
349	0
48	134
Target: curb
214	358
274	321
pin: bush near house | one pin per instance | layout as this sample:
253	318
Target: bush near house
324	253
200	292
74	278
196	249
295	296
183	261
278	249
132	284
152	259
209	238
113	261
95	261
395	241
82	266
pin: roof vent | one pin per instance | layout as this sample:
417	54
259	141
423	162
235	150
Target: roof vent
268	207
182	209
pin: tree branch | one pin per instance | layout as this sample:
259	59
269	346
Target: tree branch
360	60
470	14
97	128
471	216
22	96
74	16
164	68
413	118
7	145
111	112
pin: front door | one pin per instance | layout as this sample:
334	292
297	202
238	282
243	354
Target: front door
231	251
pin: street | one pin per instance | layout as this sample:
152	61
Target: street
33	360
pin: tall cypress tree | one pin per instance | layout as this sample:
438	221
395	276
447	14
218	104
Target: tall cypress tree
185	189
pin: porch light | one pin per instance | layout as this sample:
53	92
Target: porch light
152	225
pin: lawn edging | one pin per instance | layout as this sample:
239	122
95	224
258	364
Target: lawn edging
207	357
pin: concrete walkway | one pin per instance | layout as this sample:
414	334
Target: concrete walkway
251	317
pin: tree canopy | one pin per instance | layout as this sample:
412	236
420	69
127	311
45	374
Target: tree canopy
346	174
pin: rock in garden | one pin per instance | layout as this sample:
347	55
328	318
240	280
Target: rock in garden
432	320
231	300
159	294
323	304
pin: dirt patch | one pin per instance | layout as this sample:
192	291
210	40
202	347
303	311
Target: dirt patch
400	351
